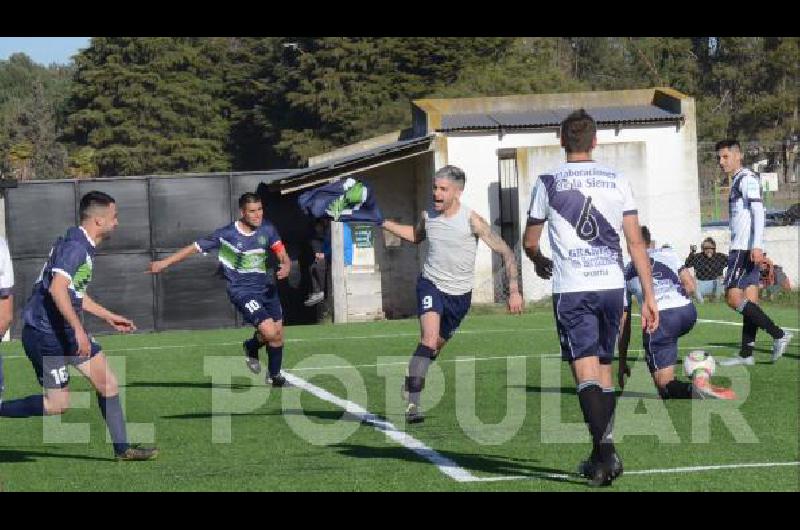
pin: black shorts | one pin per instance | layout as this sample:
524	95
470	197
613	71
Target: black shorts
255	308
451	308
51	352
588	323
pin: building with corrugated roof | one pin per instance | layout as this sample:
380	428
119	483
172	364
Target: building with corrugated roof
502	144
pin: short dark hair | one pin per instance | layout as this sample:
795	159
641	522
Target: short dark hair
94	199
711	241
577	131
727	144
646	235
247	198
456	174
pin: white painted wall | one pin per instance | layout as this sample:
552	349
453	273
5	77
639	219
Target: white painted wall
780	244
666	194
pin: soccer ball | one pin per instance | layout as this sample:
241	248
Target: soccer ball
699	362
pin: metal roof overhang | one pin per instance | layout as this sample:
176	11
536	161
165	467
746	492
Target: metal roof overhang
547	119
342	167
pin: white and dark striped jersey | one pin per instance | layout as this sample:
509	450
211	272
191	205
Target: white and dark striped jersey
6	270
667	286
746	211
584	203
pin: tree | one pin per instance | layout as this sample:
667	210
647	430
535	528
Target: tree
30	99
150	105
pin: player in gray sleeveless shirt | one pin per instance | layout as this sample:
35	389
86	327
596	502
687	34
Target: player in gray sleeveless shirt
444	290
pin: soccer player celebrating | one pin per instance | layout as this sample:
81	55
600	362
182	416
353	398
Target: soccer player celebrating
53	335
747	251
673	284
444	290
587	206
242	251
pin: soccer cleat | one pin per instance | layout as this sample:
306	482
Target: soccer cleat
586	467
414	414
314	299
251	359
278	381
703	389
601	475
779	346
132	454
734	361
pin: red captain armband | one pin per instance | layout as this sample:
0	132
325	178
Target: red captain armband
277	247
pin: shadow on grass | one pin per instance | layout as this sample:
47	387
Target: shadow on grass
493	464
11	456
570	390
187	384
331	415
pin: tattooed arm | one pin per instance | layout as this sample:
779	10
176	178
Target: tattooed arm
481	229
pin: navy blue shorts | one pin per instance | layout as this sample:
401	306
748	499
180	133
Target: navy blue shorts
742	272
588	323
661	346
451	308
51	352
255	308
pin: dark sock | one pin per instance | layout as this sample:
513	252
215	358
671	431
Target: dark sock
274	359
23	408
749	330
111	408
596	414
252	346
676	390
753	312
417	370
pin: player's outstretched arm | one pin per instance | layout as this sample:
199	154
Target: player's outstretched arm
285	264
59	291
481	229
412	234
116	321
638	252
158	266
530	242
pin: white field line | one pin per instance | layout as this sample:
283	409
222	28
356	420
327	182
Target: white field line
352	366
692	469
316	339
445	465
723	322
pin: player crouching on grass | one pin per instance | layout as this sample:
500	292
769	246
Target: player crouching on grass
242	251
673	284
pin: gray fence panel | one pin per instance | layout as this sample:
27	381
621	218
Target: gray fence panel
192	296
120	284
37	213
187	208
133	232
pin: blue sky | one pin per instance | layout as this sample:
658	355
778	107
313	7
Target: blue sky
43	50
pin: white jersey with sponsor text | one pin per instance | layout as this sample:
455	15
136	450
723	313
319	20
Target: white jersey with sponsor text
584	203
745	190
667	286
6	269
